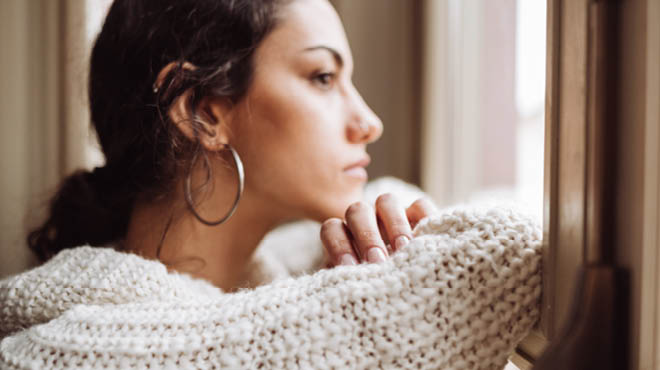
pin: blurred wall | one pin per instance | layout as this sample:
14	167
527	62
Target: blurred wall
385	38
14	133
42	114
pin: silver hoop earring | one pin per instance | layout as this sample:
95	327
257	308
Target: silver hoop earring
241	183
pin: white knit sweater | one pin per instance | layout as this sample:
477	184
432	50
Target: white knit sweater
459	296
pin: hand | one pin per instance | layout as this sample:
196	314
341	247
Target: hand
370	235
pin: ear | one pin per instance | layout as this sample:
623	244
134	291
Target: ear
208	124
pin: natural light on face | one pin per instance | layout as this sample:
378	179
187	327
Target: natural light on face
492	126
298	127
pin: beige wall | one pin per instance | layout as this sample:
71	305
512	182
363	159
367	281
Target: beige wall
14	132
42	115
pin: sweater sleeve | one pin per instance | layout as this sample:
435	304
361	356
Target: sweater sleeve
459	296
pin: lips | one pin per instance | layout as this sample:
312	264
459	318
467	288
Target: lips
356	170
364	162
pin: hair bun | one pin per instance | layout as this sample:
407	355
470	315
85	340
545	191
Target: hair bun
80	214
99	174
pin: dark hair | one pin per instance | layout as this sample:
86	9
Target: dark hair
143	151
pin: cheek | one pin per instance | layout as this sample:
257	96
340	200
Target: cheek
296	120
296	145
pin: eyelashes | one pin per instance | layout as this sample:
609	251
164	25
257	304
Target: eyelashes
324	80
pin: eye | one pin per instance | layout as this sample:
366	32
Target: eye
324	79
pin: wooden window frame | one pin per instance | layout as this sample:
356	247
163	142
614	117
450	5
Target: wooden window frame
592	218
565	159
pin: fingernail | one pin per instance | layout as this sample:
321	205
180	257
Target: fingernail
401	242
375	255
347	260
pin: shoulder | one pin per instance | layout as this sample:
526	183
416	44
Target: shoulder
89	276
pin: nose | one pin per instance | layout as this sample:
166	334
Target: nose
364	126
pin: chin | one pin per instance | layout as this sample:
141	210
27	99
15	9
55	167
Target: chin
340	205
325	205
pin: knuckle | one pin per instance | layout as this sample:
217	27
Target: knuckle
395	220
422	203
398	229
337	245
368	236
399	223
357	207
330	224
418	202
385	198
342	246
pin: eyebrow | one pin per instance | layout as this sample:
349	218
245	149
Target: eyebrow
334	52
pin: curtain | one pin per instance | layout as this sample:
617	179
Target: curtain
43	117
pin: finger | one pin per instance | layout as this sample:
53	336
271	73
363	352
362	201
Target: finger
362	224
383	235
395	221
420	208
337	242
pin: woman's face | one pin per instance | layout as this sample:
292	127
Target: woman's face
302	129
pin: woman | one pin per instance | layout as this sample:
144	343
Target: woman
221	120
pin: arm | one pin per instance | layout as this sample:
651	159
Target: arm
297	245
460	295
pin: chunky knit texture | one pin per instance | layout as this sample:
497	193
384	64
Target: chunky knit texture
459	296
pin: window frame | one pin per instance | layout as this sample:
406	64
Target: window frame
576	183
565	171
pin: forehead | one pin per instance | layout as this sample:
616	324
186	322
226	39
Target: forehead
304	24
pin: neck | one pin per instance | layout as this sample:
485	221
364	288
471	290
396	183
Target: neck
219	253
